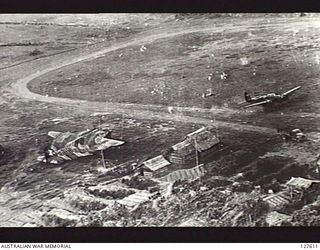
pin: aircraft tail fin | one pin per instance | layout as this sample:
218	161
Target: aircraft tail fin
247	97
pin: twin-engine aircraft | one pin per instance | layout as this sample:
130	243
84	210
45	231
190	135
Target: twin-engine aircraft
69	146
268	99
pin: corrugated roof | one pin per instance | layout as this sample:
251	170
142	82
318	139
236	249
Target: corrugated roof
184	147
156	163
202	139
275	219
135	199
181	145
299	182
196	132
277	200
184	174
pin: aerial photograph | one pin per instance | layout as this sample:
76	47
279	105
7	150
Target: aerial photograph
160	120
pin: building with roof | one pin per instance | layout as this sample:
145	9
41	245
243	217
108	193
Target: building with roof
135	199
202	139
155	166
184	174
298	191
275	218
301	183
199	143
278	200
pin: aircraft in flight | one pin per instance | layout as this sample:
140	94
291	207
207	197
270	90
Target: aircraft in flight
268	99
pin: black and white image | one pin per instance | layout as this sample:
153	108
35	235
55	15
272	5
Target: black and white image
160	120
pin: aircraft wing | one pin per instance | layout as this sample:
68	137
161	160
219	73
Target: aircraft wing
53	159
107	143
291	91
65	154
257	104
240	103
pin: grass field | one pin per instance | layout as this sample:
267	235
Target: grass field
174	72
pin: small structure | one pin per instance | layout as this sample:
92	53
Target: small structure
308	189
135	199
155	166
275	218
184	174
278	200
301	183
182	153
199	143
202	139
298	190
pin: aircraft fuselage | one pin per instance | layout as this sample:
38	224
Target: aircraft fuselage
270	97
